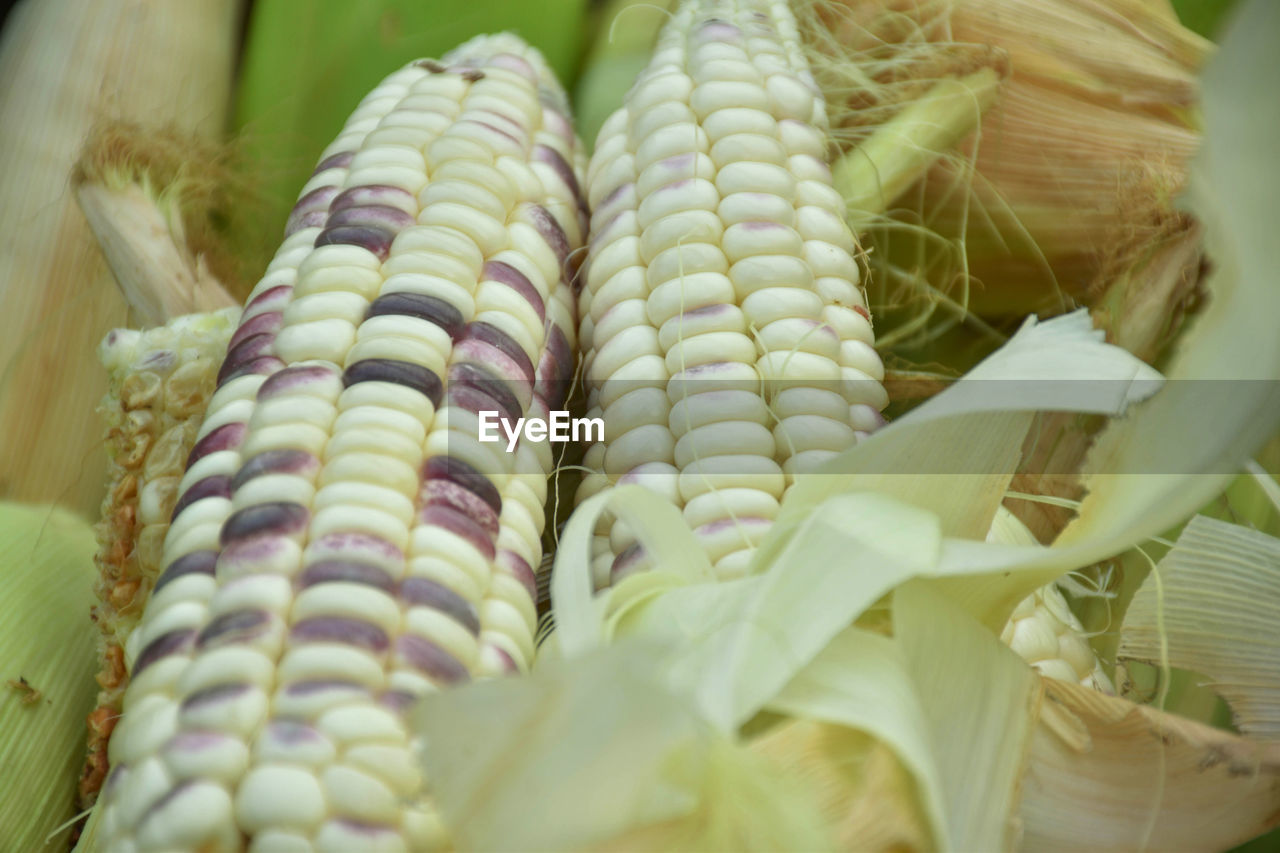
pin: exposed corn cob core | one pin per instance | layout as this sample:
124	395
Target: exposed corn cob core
728	346
1042	629
343	542
160	384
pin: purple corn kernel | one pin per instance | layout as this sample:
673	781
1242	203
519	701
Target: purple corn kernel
428	593
495	337
244	352
117	772
374	194
246	555
372	216
495	130
238	626
554	120
472	75
505	124
369	831
430	659
226	437
555	369
195	563
474	378
518	567
337	629
291	379
347	543
173	642
278	461
314	219
431	65
550	230
504	273
507	662
422	306
499	363
615	194
266	365
311	688
627	562
271	299
345	571
217	486
267	323
310	210
405	373
449	493
375	239
166	798
477	400
334	161
553	158
278	518
215	695
459	524
399	701
457	471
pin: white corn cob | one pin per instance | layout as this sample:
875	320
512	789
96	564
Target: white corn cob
728	346
160	383
1042	629
343	543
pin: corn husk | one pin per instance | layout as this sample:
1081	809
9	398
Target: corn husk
46	678
68	66
1073	170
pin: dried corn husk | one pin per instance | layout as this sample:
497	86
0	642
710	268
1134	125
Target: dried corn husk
46	674
67	66
1073	170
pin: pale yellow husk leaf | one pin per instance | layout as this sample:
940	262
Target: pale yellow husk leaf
1211	606
66	66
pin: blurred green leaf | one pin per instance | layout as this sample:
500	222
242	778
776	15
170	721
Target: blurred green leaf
1203	16
307	63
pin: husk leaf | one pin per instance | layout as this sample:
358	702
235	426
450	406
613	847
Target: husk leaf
46	678
1211	606
68	66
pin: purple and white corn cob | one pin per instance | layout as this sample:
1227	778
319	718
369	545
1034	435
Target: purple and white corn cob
343	543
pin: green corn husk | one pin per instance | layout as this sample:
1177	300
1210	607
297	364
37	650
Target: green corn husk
46	678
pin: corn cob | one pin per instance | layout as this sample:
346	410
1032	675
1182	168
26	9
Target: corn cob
1042	629
160	383
342	543
728	346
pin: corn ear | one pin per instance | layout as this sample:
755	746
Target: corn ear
1042	629
727	344
46	678
342	543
